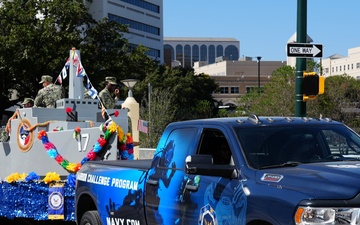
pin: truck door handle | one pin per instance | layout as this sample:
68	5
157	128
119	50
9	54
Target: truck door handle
153	182
191	187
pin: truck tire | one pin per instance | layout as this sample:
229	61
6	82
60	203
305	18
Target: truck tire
90	218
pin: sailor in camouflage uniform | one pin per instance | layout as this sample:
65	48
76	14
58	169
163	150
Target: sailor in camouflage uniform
105	95
49	94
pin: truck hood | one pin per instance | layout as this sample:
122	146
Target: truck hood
335	180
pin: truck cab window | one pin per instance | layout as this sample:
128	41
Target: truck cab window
214	143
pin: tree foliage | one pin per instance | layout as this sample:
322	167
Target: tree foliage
37	35
276	99
340	100
177	94
34	36
192	93
160	111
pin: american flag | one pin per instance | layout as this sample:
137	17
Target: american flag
143	126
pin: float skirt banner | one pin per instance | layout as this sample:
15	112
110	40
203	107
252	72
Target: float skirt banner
56	202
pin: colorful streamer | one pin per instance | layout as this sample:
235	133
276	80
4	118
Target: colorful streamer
125	146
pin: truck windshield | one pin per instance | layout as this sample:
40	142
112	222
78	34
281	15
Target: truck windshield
271	146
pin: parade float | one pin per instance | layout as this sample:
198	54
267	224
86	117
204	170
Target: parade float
47	146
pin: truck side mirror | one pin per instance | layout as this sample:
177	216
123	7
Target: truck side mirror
203	165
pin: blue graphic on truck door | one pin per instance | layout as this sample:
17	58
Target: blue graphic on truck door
228	201
174	197
167	175
162	159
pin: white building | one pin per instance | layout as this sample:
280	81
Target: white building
338	64
144	18
186	51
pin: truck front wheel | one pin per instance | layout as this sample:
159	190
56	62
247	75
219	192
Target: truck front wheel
90	218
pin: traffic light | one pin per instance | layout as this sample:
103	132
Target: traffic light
313	85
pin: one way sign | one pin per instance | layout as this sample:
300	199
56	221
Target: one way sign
304	50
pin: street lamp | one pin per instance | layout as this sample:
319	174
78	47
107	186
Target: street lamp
258	61
130	83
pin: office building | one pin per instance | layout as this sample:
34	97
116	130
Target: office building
144	18
337	64
238	77
186	51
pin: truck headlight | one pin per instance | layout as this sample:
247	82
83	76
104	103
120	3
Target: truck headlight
324	215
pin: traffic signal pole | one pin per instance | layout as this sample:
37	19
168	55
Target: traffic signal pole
301	36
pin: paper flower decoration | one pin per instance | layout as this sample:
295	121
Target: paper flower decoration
15	177
68	110
125	146
51	177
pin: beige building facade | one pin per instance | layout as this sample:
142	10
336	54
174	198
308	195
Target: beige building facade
338	64
237	77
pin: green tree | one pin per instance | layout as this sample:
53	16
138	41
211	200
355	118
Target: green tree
35	39
160	111
277	98
340	100
192	93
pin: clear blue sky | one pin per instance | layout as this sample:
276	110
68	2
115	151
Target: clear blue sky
263	27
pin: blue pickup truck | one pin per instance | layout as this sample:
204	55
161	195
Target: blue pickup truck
246	170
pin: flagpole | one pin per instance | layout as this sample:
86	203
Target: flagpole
75	83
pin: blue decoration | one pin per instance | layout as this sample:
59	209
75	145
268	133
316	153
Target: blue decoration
32	177
71	180
30	200
97	147
52	153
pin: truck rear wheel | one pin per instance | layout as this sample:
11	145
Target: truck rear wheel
90	218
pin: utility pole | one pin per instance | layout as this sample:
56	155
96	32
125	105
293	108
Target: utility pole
258	61
301	36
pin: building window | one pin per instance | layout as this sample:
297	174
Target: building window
134	24
357	65
332	69
179	53
150	51
336	69
211	54
231	52
352	66
144	4
219	51
187	56
326	70
203	53
344	67
348	66
195	53
340	68
234	90
224	90
250	89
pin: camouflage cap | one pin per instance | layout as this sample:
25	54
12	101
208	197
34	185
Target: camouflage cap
27	100
111	80
46	78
